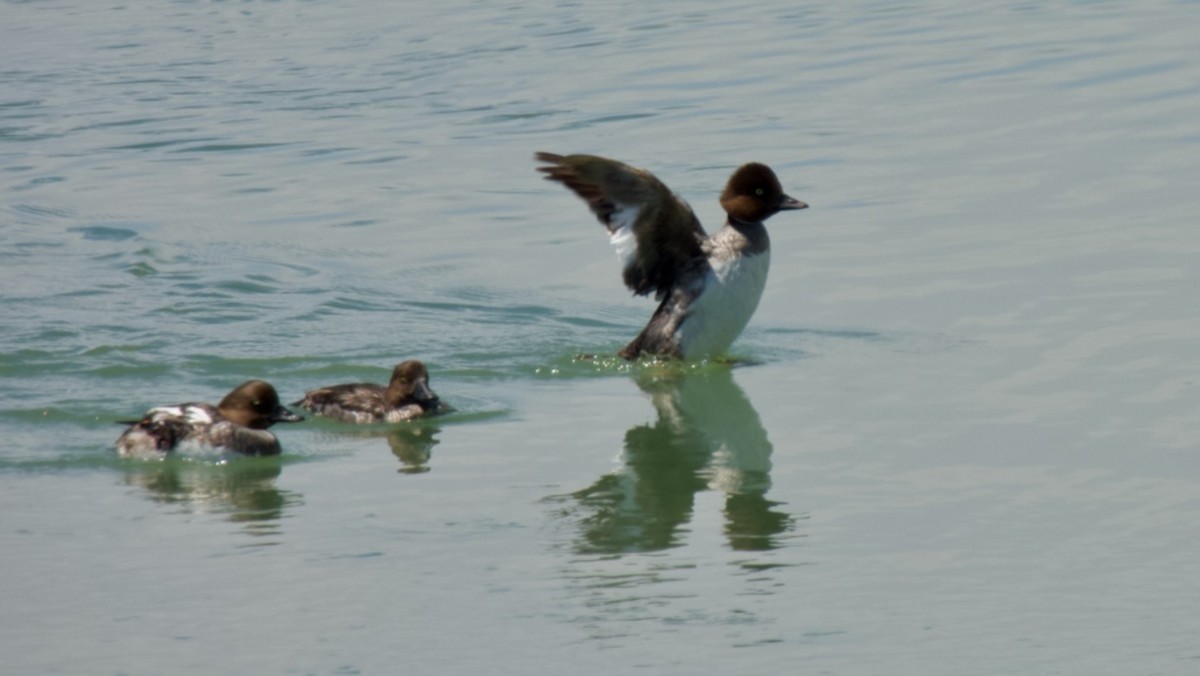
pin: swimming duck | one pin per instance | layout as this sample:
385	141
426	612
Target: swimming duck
708	286
238	424
406	396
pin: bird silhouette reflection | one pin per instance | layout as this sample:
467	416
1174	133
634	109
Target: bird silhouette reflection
707	436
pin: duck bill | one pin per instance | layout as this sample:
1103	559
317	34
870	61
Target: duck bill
425	397
282	414
787	202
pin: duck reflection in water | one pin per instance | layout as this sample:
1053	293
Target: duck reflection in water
707	437
242	489
413	446
411	442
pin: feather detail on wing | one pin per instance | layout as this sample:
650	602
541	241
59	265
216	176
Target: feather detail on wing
356	396
655	233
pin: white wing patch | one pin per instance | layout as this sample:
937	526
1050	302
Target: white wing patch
165	412
196	415
621	236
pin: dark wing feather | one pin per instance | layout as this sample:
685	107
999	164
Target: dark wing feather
666	236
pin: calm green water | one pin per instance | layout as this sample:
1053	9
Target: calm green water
963	437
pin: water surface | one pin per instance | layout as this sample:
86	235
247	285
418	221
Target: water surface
960	436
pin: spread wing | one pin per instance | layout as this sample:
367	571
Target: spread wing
656	233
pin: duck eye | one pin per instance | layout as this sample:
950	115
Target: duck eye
758	191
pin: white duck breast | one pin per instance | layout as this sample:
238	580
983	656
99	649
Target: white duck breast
732	289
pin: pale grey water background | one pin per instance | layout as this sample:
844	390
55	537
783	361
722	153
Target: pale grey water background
967	442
